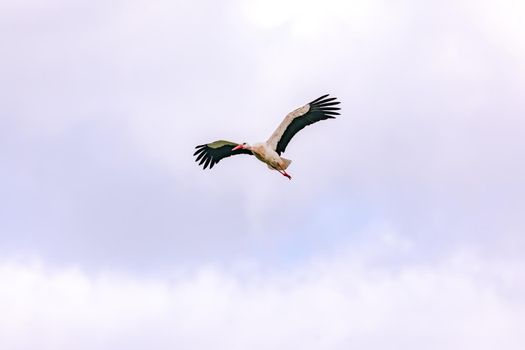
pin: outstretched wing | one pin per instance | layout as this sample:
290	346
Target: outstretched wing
211	153
319	109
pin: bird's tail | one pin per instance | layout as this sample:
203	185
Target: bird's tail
286	162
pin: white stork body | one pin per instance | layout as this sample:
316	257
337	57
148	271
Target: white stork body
266	154
270	151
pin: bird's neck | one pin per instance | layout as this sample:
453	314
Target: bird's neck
258	148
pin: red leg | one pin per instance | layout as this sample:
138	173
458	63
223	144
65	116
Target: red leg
284	173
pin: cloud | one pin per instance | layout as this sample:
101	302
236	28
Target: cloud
104	104
402	227
501	23
333	303
306	19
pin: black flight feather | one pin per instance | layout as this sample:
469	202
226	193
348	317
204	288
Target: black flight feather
320	109
212	153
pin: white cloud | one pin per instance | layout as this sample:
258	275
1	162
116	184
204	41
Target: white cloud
502	22
458	303
104	105
308	18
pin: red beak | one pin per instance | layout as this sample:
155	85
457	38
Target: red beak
237	147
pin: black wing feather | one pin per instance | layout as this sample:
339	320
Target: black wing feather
320	109
210	154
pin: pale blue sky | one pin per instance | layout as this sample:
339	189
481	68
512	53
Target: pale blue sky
402	226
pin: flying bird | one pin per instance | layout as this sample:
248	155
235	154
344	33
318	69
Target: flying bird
270	151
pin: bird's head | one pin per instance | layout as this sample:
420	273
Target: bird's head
243	145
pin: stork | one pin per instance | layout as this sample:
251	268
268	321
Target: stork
270	151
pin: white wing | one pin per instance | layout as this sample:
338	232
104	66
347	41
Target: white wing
319	109
278	133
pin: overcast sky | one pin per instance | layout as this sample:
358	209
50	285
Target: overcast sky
403	225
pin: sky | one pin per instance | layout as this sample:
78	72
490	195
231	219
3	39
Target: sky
403	224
